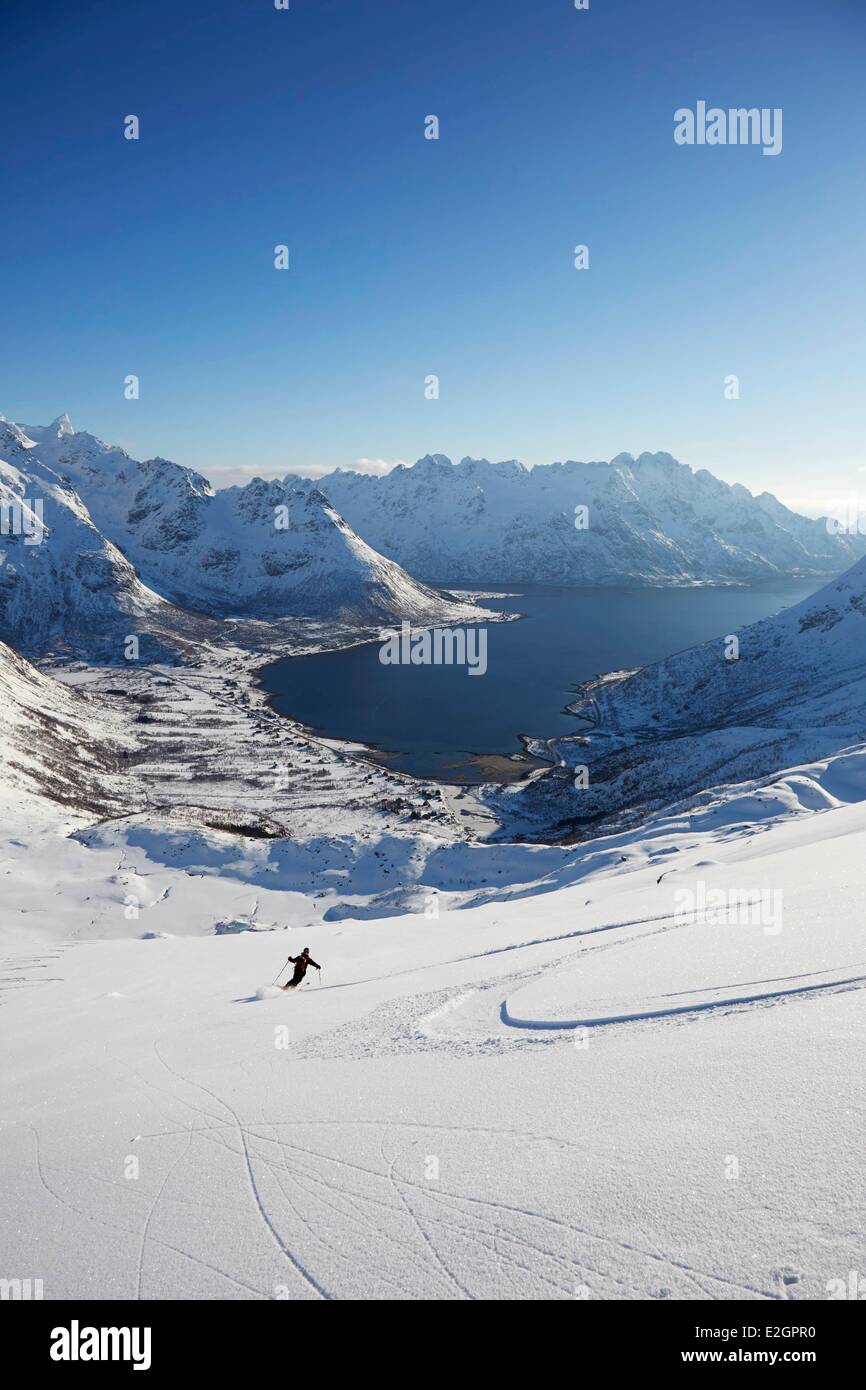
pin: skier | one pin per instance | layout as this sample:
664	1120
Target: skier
300	963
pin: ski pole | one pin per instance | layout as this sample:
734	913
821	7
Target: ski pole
279	973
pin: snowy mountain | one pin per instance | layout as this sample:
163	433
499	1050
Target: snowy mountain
805	663
120	537
61	579
124	545
791	690
651	520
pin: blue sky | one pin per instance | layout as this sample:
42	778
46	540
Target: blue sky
454	257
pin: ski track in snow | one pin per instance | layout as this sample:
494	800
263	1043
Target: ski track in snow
253	1184
253	1180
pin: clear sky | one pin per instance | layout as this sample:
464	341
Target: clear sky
410	256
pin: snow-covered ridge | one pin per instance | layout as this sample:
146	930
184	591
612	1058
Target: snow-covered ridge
790	690
55	743
121	541
651	520
61	578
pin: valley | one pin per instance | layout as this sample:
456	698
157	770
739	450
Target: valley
572	1038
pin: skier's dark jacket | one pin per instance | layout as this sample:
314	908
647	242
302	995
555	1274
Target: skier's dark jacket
300	963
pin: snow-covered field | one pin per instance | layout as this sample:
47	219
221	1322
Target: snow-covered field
576	1087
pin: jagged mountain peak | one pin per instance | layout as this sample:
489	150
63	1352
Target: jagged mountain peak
432	463
651	520
125	536
660	458
60	428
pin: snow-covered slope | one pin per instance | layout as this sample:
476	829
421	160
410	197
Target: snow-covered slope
650	520
592	1094
792	690
267	550
56	744
805	663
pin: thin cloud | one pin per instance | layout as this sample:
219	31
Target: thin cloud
242	473
375	467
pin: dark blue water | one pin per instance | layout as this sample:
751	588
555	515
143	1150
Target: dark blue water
434	719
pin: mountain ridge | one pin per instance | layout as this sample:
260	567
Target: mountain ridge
790	692
147	539
651	520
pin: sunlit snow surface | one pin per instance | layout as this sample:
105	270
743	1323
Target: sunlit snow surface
452	1110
